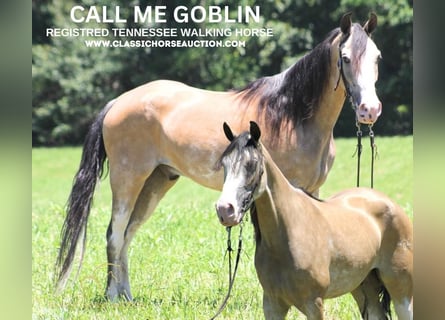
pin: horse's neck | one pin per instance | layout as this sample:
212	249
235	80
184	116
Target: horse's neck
328	111
272	206
315	135
276	180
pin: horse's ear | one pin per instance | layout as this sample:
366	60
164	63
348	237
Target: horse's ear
345	23
371	24
255	131
228	132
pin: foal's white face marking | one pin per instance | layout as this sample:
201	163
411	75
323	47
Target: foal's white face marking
241	186
361	80
228	206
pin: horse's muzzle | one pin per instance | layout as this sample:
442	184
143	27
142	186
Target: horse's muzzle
227	214
369	113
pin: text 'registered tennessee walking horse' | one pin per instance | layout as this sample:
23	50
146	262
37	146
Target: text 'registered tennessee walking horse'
307	250
162	130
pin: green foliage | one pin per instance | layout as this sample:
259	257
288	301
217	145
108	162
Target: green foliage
72	82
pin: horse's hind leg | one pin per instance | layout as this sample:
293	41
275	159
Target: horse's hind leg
156	186
123	227
367	298
404	308
126	185
397	276
274	308
400	286
313	308
360	298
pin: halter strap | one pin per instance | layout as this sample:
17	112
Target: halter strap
231	276
341	74
343	77
358	151
373	153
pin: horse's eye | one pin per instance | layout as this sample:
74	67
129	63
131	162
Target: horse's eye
346	59
250	166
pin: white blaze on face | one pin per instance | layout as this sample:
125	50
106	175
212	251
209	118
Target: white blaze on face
370	107
361	83
228	207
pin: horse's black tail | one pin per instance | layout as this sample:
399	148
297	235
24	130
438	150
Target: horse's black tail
374	285
81	198
385	301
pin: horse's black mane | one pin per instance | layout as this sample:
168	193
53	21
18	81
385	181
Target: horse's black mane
293	95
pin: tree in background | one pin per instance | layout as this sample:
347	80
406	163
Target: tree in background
72	82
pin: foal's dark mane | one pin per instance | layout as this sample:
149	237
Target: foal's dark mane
293	95
241	143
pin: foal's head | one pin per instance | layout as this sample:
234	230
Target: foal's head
358	62
242	162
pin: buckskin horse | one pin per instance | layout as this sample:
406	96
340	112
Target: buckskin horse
307	250
159	131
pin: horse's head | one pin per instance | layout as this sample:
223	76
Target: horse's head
358	60
242	162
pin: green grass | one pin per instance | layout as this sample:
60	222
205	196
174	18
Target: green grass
178	269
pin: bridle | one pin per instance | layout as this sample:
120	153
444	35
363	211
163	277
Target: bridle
341	74
348	94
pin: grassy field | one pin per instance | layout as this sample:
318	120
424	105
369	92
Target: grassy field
178	269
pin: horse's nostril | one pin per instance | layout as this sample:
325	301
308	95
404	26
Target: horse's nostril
225	209
363	108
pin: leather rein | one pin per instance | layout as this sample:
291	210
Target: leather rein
231	275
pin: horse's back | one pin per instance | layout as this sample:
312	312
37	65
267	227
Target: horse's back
377	205
142	98
169	123
158	99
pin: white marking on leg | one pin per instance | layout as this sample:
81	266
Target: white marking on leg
404	309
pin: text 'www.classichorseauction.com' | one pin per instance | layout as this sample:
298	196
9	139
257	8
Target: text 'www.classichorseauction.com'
150	32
